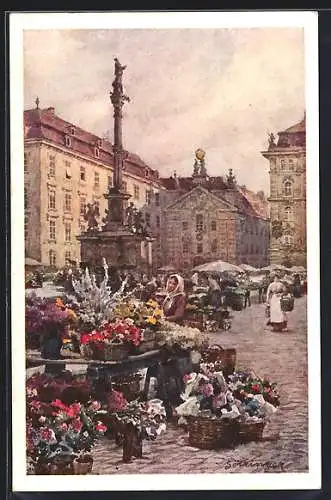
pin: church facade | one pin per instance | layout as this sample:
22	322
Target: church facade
287	162
201	218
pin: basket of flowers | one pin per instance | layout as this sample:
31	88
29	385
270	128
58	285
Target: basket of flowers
60	436
112	342
215	418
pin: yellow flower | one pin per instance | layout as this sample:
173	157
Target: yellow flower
151	320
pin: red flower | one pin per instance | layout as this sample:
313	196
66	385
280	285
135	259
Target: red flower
85	338
58	404
73	410
255	388
100	427
46	434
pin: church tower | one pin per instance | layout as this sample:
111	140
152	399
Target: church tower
287	161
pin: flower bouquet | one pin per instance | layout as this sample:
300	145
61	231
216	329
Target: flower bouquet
112	342
45	323
244	383
60	437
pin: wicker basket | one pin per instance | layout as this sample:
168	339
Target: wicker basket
110	352
211	433
227	357
83	466
250	431
287	303
129	388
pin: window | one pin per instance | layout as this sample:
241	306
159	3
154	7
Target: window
68	141
67	202
282	163
72	130
25	199
288	188
214	246
157	199
199	248
186	248
52	229
158	222
199	222
96	179
213	225
185	225
148	196
25	162
52	258
82	173
96	202
51	169
82	228
147	218
146	172
68	169
136	192
110	181
252	248
67	256
82	206
67	231
51	200
96	152
288	213
291	165
26	223
288	239
125	187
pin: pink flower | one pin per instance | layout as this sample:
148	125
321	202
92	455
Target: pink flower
73	410
100	427
95	405
47	434
207	390
63	427
77	424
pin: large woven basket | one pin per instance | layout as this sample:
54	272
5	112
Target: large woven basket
211	433
250	431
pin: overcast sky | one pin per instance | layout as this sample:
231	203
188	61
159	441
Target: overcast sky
219	89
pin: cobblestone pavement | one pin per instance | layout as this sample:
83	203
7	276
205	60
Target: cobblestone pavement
283	357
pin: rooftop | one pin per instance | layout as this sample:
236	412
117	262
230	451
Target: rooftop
45	124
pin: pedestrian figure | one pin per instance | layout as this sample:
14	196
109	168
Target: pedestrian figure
278	319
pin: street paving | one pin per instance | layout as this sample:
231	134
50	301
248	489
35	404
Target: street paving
282	357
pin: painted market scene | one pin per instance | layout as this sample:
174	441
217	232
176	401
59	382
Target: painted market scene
166	324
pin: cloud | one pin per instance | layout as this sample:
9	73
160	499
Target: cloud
219	89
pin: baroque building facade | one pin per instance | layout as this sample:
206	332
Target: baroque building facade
287	162
201	218
65	168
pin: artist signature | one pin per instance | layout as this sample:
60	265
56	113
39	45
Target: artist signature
252	463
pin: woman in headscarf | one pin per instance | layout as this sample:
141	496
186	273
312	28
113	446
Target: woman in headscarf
278	319
174	303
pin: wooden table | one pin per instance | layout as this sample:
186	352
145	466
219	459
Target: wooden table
168	370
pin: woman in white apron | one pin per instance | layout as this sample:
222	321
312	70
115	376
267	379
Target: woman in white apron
278	319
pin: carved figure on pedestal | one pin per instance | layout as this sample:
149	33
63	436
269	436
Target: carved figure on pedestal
130	214
271	140
91	214
139	222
